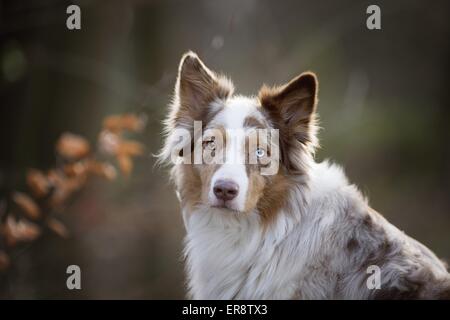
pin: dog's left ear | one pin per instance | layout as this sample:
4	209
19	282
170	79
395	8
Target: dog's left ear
292	108
197	86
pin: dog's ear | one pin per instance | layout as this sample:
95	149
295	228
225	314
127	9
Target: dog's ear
197	86
292	108
294	104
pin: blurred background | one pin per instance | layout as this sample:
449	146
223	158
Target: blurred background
384	107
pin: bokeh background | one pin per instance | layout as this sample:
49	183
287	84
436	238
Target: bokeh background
384	107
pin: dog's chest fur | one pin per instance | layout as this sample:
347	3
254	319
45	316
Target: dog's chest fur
318	248
233	257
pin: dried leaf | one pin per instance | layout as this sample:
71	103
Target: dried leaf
4	261
131	148
108	142
109	172
103	169
125	164
58	227
72	147
29	207
75	169
21	230
64	186
60	193
38	183
55	177
130	122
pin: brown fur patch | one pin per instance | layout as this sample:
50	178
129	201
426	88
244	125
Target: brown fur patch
292	110
206	174
265	193
274	197
256	185
205	171
252	122
197	87
189	180
219	135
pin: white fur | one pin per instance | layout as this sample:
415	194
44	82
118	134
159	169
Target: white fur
232	117
231	257
301	254
237	108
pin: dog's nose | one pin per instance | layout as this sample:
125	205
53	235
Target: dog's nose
226	189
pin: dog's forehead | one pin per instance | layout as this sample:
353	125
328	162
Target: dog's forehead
237	111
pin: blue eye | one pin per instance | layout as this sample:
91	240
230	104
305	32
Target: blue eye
260	153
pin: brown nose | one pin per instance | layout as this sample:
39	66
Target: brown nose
225	189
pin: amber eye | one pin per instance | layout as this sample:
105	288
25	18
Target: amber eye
260	153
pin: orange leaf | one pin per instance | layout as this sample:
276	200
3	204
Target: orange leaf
20	230
103	169
72	147
64	186
130	122
58	227
75	169
108	142
38	183
109	172
131	148
29	207
125	164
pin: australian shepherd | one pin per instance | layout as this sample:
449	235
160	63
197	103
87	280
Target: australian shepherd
263	219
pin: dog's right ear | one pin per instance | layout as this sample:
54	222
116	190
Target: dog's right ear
197	86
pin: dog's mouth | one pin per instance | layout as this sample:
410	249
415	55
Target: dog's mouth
225	205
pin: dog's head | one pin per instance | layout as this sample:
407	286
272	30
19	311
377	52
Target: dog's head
238	153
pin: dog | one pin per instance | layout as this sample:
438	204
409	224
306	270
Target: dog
302	231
